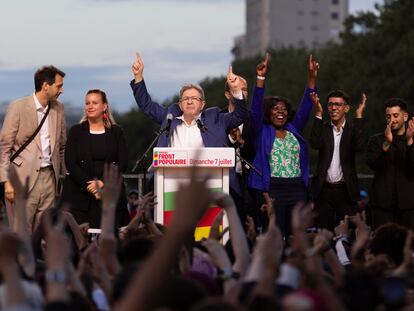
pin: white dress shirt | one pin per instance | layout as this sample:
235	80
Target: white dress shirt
239	166
43	133
334	173
187	135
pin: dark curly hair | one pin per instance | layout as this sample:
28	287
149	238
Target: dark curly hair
271	101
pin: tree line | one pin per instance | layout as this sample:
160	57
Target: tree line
375	56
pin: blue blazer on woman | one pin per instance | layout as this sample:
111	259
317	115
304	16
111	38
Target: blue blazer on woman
264	136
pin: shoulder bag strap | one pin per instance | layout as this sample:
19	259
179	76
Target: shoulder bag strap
27	142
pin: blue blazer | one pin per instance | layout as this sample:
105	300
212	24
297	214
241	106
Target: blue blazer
216	122
264	136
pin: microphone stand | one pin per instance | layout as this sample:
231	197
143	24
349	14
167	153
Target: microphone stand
140	161
203	129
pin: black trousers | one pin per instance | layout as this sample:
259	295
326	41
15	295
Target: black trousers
332	204
286	192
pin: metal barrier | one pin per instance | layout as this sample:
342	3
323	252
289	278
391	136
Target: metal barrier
139	181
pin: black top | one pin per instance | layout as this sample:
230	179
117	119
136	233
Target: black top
393	183
99	151
85	156
353	140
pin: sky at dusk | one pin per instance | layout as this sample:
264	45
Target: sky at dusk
94	42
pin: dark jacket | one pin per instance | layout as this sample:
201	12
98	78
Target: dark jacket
217	123
247	151
353	140
79	164
393	182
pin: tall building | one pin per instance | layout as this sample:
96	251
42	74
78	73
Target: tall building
283	23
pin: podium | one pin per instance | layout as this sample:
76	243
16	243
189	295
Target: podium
172	168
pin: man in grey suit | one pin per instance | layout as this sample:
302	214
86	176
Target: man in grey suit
42	159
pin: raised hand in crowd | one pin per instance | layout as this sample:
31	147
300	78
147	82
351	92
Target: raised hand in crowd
220	258
410	132
251	233
261	71
342	230
78	235
317	104
57	257
146	204
143	216
302	219
268	205
92	264
110	196
359	113
322	247
192	200
265	262
215	233
313	67
314	274
237	235
321	242
10	245
138	68
362	234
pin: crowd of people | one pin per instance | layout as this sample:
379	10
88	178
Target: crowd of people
297	241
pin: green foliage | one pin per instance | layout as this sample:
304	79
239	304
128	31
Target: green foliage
376	56
139	131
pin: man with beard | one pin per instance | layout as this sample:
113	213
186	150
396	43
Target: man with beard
335	186
32	143
391	156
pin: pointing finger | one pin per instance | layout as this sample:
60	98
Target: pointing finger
266	60
364	98
230	71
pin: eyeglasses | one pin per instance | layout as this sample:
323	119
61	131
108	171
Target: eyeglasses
337	105
192	98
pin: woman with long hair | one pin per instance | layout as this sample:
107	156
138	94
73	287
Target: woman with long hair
96	140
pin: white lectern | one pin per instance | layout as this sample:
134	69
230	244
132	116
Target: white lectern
172	167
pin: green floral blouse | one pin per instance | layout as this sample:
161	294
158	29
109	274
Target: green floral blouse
284	157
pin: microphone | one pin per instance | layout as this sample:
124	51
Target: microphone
201	126
166	129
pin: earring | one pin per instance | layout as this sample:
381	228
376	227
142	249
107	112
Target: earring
105	115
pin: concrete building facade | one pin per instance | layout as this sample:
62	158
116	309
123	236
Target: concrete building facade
283	23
